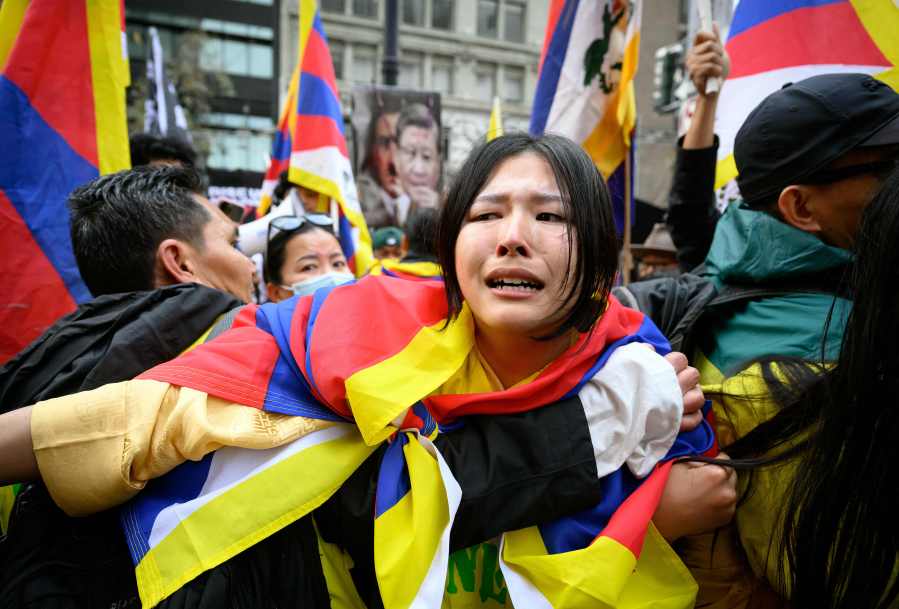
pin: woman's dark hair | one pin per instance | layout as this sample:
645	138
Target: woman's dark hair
840	534
587	205
277	249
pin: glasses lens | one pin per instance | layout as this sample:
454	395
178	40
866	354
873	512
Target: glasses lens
319	220
287	223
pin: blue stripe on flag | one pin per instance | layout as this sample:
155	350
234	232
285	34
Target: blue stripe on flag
181	485
345	229
281	146
318	299
318	27
317	99
751	13
579	530
647	333
428	423
393	477
552	67
287	391
39	171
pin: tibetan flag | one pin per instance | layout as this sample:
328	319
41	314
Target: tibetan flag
774	42
318	155
585	88
495	126
281	145
63	73
419	270
317	357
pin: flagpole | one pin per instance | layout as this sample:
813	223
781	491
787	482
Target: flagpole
627	262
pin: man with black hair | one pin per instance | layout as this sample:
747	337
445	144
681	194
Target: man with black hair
810	157
163	266
151	227
147	149
544	463
421	236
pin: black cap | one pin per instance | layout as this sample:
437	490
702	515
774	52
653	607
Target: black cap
805	126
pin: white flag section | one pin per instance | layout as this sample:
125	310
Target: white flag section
772	43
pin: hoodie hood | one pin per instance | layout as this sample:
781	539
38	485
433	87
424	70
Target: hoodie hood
752	247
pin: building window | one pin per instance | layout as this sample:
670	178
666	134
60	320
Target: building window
261	63
334	6
442	74
414	12
488	16
337	48
442	14
236	57
362	63
513	84
365	8
485	79
233	150
506	16
513	15
410	70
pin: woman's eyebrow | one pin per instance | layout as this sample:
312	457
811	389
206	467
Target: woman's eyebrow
502	197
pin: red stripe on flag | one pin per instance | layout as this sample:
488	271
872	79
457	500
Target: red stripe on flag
236	366
317	61
829	34
554	382
628	524
555	10
344	339
318	132
34	295
51	63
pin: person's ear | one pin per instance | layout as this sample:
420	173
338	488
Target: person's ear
175	263
797	208
404	245
277	293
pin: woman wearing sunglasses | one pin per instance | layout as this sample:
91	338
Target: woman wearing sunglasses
302	255
523	320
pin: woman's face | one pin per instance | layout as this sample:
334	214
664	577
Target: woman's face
513	250
308	255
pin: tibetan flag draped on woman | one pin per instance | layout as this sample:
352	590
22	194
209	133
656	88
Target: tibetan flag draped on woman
317	357
585	88
63	73
319	159
775	42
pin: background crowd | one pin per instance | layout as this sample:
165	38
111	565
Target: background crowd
778	492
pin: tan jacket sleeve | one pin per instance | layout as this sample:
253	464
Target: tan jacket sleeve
97	449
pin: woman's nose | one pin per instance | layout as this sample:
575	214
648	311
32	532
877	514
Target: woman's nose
513	236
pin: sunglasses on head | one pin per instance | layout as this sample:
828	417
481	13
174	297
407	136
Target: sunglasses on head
289	224
880	169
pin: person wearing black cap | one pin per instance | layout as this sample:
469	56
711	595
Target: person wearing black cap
810	158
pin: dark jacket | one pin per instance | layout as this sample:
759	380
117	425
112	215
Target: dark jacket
48	559
692	215
539	467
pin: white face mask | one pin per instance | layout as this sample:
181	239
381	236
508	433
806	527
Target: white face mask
328	280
